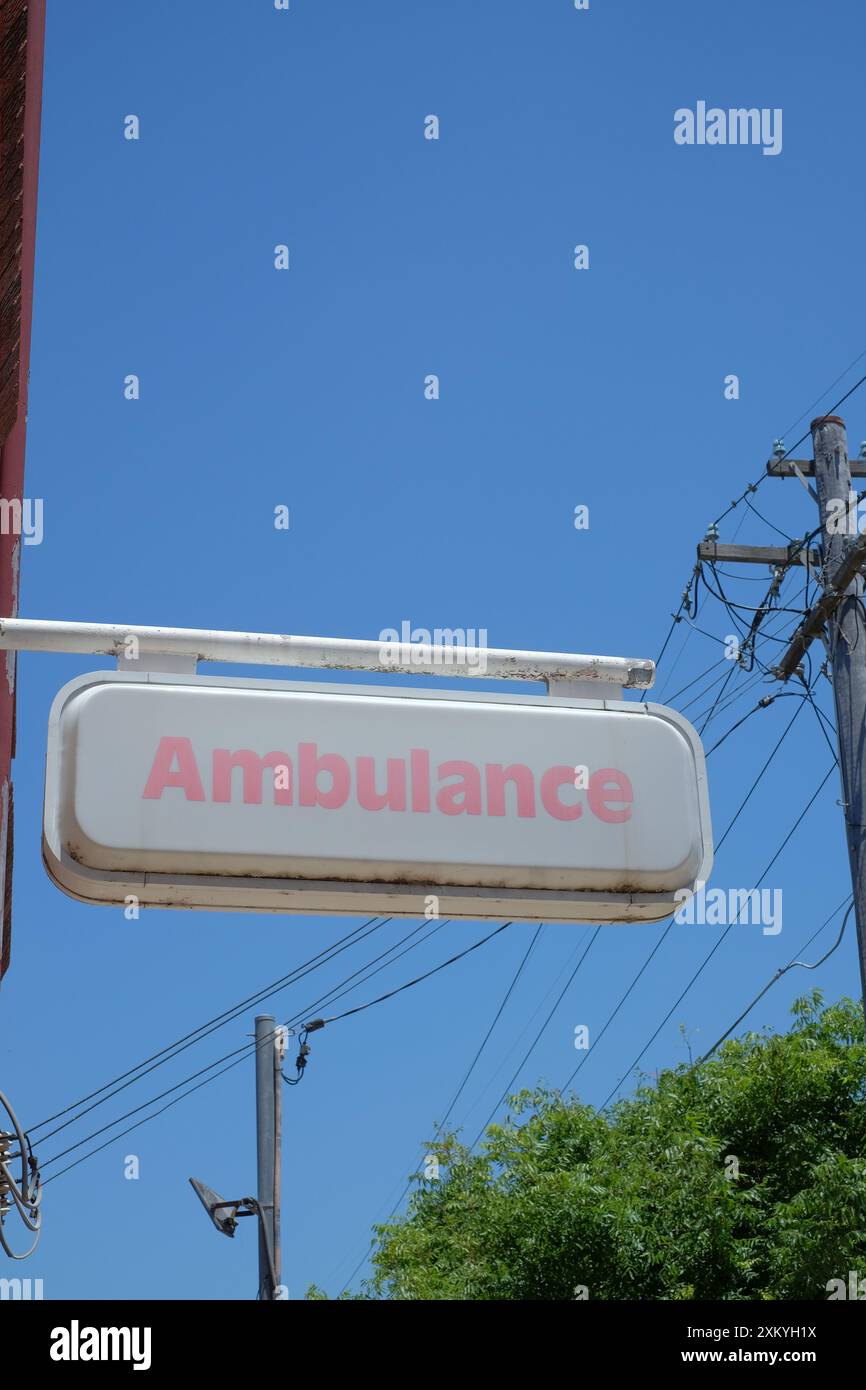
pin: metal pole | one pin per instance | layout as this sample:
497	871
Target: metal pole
847	650
265	1152
322	653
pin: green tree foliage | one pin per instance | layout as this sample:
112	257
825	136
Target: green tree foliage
743	1177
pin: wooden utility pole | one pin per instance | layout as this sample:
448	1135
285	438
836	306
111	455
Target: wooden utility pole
839	617
847	647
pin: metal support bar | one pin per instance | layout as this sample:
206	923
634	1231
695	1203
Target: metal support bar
323	653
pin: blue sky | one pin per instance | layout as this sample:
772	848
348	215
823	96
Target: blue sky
602	387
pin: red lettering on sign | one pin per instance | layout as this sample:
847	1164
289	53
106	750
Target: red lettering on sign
609	794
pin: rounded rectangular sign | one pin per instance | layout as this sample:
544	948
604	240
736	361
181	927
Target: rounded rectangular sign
189	791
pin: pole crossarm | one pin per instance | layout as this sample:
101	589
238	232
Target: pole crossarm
794	554
789	468
817	616
395	657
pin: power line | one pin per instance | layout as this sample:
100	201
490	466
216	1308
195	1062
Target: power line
808	411
763	703
442	1123
658	944
712	666
754	679
783	971
692	627
823	721
510	1052
472	1065
613	1015
243	1051
685	599
767	522
714	706
675	663
212	1025
833	408
733	608
726	663
763	608
249	1048
114	1138
721	938
670	924
739	578
536	1040
746	687
360	1008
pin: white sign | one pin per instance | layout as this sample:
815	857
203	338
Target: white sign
266	796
